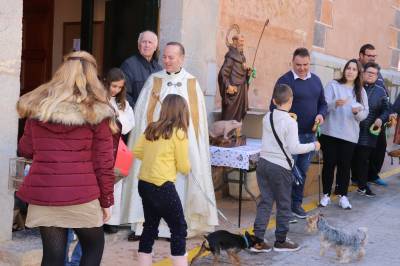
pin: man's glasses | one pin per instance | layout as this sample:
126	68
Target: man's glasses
371	73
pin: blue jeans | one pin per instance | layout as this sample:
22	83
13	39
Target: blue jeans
301	162
76	254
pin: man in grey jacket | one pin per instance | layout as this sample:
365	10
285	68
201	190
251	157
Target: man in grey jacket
139	67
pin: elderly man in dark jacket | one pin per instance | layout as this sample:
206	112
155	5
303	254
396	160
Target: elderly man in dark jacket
378	115
139	67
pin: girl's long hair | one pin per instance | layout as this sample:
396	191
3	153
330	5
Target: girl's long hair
116	74
174	114
358	84
74	81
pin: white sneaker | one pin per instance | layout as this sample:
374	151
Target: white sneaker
344	203
325	200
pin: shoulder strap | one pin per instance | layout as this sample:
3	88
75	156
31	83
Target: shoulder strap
279	141
193	103
154	98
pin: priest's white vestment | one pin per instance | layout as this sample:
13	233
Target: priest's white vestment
201	216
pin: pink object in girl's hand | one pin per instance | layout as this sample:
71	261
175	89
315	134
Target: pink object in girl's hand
124	159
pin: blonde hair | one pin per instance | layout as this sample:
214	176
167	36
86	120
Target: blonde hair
75	81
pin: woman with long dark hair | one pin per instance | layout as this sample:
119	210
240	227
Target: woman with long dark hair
347	106
115	83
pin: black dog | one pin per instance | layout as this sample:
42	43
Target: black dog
223	240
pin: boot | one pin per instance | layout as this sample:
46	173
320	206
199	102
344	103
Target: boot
179	260
144	259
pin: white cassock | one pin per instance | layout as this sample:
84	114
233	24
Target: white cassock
127	120
200	215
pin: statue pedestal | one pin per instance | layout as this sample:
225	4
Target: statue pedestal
228	143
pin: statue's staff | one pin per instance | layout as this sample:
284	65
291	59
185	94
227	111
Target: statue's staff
253	72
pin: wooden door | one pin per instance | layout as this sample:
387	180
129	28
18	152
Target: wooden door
37	43
37	46
72	30
124	20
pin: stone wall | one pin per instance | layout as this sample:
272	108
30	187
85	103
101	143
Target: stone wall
10	63
333	30
290	26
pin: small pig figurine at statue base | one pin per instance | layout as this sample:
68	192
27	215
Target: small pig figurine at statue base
223	128
222	133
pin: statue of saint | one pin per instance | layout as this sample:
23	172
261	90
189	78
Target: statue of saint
233	81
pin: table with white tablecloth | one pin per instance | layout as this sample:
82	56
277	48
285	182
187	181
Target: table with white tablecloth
242	158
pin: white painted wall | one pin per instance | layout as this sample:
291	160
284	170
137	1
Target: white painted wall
194	23
10	65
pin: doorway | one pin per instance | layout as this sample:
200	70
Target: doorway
124	20
37	43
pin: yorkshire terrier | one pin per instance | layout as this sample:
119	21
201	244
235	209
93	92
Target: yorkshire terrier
223	240
346	245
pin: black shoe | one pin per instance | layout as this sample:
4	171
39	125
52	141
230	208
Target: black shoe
292	220
133	237
110	229
366	192
299	212
288	245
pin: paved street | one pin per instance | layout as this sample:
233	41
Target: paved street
381	215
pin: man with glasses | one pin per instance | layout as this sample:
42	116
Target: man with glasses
368	138
368	54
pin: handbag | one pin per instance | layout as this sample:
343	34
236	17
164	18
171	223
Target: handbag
123	161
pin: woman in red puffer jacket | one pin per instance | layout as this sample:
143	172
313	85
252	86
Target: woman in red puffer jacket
68	134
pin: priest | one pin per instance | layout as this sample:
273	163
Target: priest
195	190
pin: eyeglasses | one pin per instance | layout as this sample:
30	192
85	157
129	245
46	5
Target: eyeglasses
371	73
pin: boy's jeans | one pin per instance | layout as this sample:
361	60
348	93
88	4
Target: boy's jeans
302	163
275	183
76	254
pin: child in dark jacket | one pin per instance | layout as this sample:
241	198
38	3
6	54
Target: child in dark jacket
369	128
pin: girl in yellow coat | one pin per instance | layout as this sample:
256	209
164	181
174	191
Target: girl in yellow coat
164	151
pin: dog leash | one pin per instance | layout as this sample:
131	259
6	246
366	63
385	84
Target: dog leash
208	199
317	135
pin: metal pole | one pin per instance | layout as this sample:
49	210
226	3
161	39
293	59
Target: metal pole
241	176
